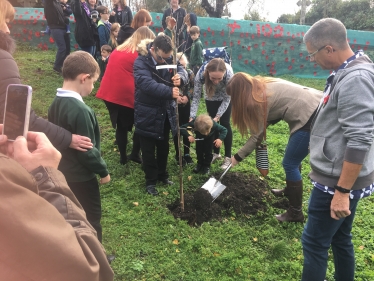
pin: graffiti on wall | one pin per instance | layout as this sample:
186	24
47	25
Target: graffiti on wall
255	47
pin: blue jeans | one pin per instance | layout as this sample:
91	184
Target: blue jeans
62	40
89	49
296	151
320	232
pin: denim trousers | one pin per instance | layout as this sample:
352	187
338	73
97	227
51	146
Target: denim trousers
320	232
89	49
62	40
296	151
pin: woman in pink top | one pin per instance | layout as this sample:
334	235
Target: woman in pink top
117	89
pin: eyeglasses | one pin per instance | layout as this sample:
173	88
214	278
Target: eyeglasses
311	56
158	57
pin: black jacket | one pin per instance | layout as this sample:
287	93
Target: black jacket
58	136
153	96
126	16
179	15
85	29
124	33
54	14
188	45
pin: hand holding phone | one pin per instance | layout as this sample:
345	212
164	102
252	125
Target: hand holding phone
17	111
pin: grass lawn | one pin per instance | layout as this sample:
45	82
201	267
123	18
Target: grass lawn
151	245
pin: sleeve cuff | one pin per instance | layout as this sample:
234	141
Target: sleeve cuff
238	158
355	156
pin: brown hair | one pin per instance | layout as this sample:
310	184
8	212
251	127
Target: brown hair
247	100
102	10
122	3
194	30
203	123
106	48
141	18
7	12
215	65
140	34
113	39
77	63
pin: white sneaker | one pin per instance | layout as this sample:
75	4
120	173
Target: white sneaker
226	163
216	157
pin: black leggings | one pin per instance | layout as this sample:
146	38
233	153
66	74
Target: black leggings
212	108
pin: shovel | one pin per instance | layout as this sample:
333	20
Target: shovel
215	187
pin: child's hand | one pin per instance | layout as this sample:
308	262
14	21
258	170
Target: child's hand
176	80
170	22
175	93
191	139
217	143
105	180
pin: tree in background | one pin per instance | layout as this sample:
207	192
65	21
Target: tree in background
289	18
254	10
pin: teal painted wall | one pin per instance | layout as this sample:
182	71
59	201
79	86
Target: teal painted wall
256	47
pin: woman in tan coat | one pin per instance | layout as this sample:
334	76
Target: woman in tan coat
263	100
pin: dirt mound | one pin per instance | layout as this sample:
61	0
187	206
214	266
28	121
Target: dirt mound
246	195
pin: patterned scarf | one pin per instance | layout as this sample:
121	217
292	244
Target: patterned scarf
86	8
327	90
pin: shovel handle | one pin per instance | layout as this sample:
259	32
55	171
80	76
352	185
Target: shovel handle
224	173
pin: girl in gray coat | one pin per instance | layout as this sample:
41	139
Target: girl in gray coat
283	100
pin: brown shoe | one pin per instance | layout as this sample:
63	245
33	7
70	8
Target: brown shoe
294	193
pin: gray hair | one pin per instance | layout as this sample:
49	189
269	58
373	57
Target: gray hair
328	31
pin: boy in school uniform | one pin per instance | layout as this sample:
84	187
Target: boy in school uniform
106	50
68	110
205	129
196	55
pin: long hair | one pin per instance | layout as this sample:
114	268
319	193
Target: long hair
7	12
141	18
215	65
113	28
122	3
248	97
140	34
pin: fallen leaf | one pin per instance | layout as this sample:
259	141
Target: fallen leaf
361	247
177	250
175	242
216	254
135	204
255	239
114	149
189	178
165	193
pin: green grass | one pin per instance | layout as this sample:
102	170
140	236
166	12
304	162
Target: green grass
151	245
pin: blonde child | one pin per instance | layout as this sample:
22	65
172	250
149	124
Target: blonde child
113	35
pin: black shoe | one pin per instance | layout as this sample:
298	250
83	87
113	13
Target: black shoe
205	170
197	169
151	189
110	258
166	181
136	158
123	161
188	159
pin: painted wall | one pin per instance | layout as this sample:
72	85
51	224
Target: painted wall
256	47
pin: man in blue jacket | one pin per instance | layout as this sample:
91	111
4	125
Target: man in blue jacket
155	107
341	150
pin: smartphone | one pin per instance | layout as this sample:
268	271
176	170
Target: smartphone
17	111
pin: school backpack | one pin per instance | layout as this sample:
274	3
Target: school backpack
212	53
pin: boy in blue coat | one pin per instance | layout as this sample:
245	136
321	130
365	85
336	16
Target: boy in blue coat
155	115
103	25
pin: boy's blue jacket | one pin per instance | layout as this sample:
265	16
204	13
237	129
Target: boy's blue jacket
104	33
153	95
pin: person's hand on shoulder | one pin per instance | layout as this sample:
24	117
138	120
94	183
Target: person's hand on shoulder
80	143
105	180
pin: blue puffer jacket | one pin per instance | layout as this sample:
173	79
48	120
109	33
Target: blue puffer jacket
153	96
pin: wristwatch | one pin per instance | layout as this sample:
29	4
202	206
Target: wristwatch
341	189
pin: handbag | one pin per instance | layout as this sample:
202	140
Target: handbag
262	157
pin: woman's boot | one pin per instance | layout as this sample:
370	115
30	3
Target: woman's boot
295	197
284	191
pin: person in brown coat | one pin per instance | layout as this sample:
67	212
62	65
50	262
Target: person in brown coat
262	100
44	231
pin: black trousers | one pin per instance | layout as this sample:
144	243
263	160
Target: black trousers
204	150
88	194
212	108
155	156
121	138
184	115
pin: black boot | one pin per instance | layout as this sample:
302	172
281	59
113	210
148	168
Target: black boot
295	196
284	191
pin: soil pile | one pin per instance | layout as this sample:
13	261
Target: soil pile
246	195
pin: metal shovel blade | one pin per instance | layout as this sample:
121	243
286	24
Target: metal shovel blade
215	187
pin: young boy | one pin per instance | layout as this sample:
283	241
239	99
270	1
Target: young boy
66	9
103	25
106	50
196	55
205	129
80	71
155	91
